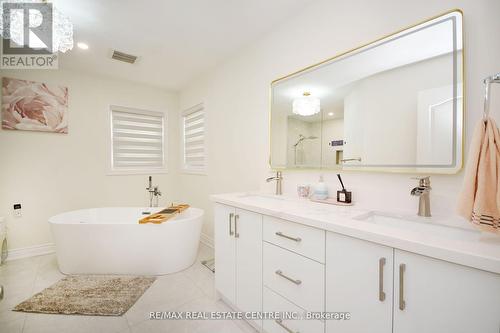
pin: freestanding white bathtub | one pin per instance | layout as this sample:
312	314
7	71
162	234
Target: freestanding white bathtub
111	241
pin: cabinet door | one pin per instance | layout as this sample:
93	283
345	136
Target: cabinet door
248	229
441	297
225	252
359	278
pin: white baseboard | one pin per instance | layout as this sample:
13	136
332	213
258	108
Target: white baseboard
31	251
207	240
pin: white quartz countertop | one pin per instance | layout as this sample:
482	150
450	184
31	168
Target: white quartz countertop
480	250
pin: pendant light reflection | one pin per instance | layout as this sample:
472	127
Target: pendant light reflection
306	105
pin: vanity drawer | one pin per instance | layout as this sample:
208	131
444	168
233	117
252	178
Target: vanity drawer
297	278
275	303
305	240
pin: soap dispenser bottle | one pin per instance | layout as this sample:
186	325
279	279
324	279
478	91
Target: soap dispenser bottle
321	190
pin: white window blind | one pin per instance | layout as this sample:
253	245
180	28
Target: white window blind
137	142
194	139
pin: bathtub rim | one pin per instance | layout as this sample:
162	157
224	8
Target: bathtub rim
196	213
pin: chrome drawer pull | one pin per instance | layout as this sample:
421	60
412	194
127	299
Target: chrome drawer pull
231	233
236	234
280	322
280	273
402	303
381	293
297	239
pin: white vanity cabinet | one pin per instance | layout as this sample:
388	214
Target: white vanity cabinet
266	263
294	275
225	252
359	276
389	290
274	302
434	296
306	241
238	253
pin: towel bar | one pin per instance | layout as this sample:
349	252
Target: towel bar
487	81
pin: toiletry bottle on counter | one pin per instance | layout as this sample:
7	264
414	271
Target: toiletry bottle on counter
321	190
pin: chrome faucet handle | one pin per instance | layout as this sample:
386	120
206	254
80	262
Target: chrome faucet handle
422	191
156	191
278	176
423	181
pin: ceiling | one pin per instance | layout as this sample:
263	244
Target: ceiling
175	40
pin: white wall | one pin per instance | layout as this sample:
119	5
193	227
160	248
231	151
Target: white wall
236	96
50	173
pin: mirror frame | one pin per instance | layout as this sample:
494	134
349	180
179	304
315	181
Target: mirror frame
387	169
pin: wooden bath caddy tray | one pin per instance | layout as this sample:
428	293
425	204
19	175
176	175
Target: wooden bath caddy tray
164	215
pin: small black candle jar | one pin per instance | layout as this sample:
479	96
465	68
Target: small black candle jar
344	196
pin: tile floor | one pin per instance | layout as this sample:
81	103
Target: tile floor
189	290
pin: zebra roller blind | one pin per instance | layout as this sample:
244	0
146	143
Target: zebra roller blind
138	139
194	139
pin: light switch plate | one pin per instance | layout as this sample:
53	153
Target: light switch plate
17	210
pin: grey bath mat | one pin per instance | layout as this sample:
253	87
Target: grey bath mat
88	295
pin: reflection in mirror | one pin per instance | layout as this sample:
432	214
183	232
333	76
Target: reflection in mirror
299	121
304	142
395	104
332	151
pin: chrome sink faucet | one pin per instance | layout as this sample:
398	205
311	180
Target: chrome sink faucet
154	192
422	191
279	180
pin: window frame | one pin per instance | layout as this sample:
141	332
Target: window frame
111	170
185	168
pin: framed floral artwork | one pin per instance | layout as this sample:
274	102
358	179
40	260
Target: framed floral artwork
34	106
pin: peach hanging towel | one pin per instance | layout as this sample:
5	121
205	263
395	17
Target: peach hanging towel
479	201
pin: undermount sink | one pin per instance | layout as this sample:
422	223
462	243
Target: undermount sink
270	201
421	225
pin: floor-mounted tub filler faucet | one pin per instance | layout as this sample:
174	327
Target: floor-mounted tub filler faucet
279	180
422	191
154	193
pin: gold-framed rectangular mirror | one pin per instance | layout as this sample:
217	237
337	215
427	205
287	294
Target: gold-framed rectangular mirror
393	105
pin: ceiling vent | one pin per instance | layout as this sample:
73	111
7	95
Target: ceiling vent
120	56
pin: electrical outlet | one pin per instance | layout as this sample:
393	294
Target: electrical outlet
17	210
